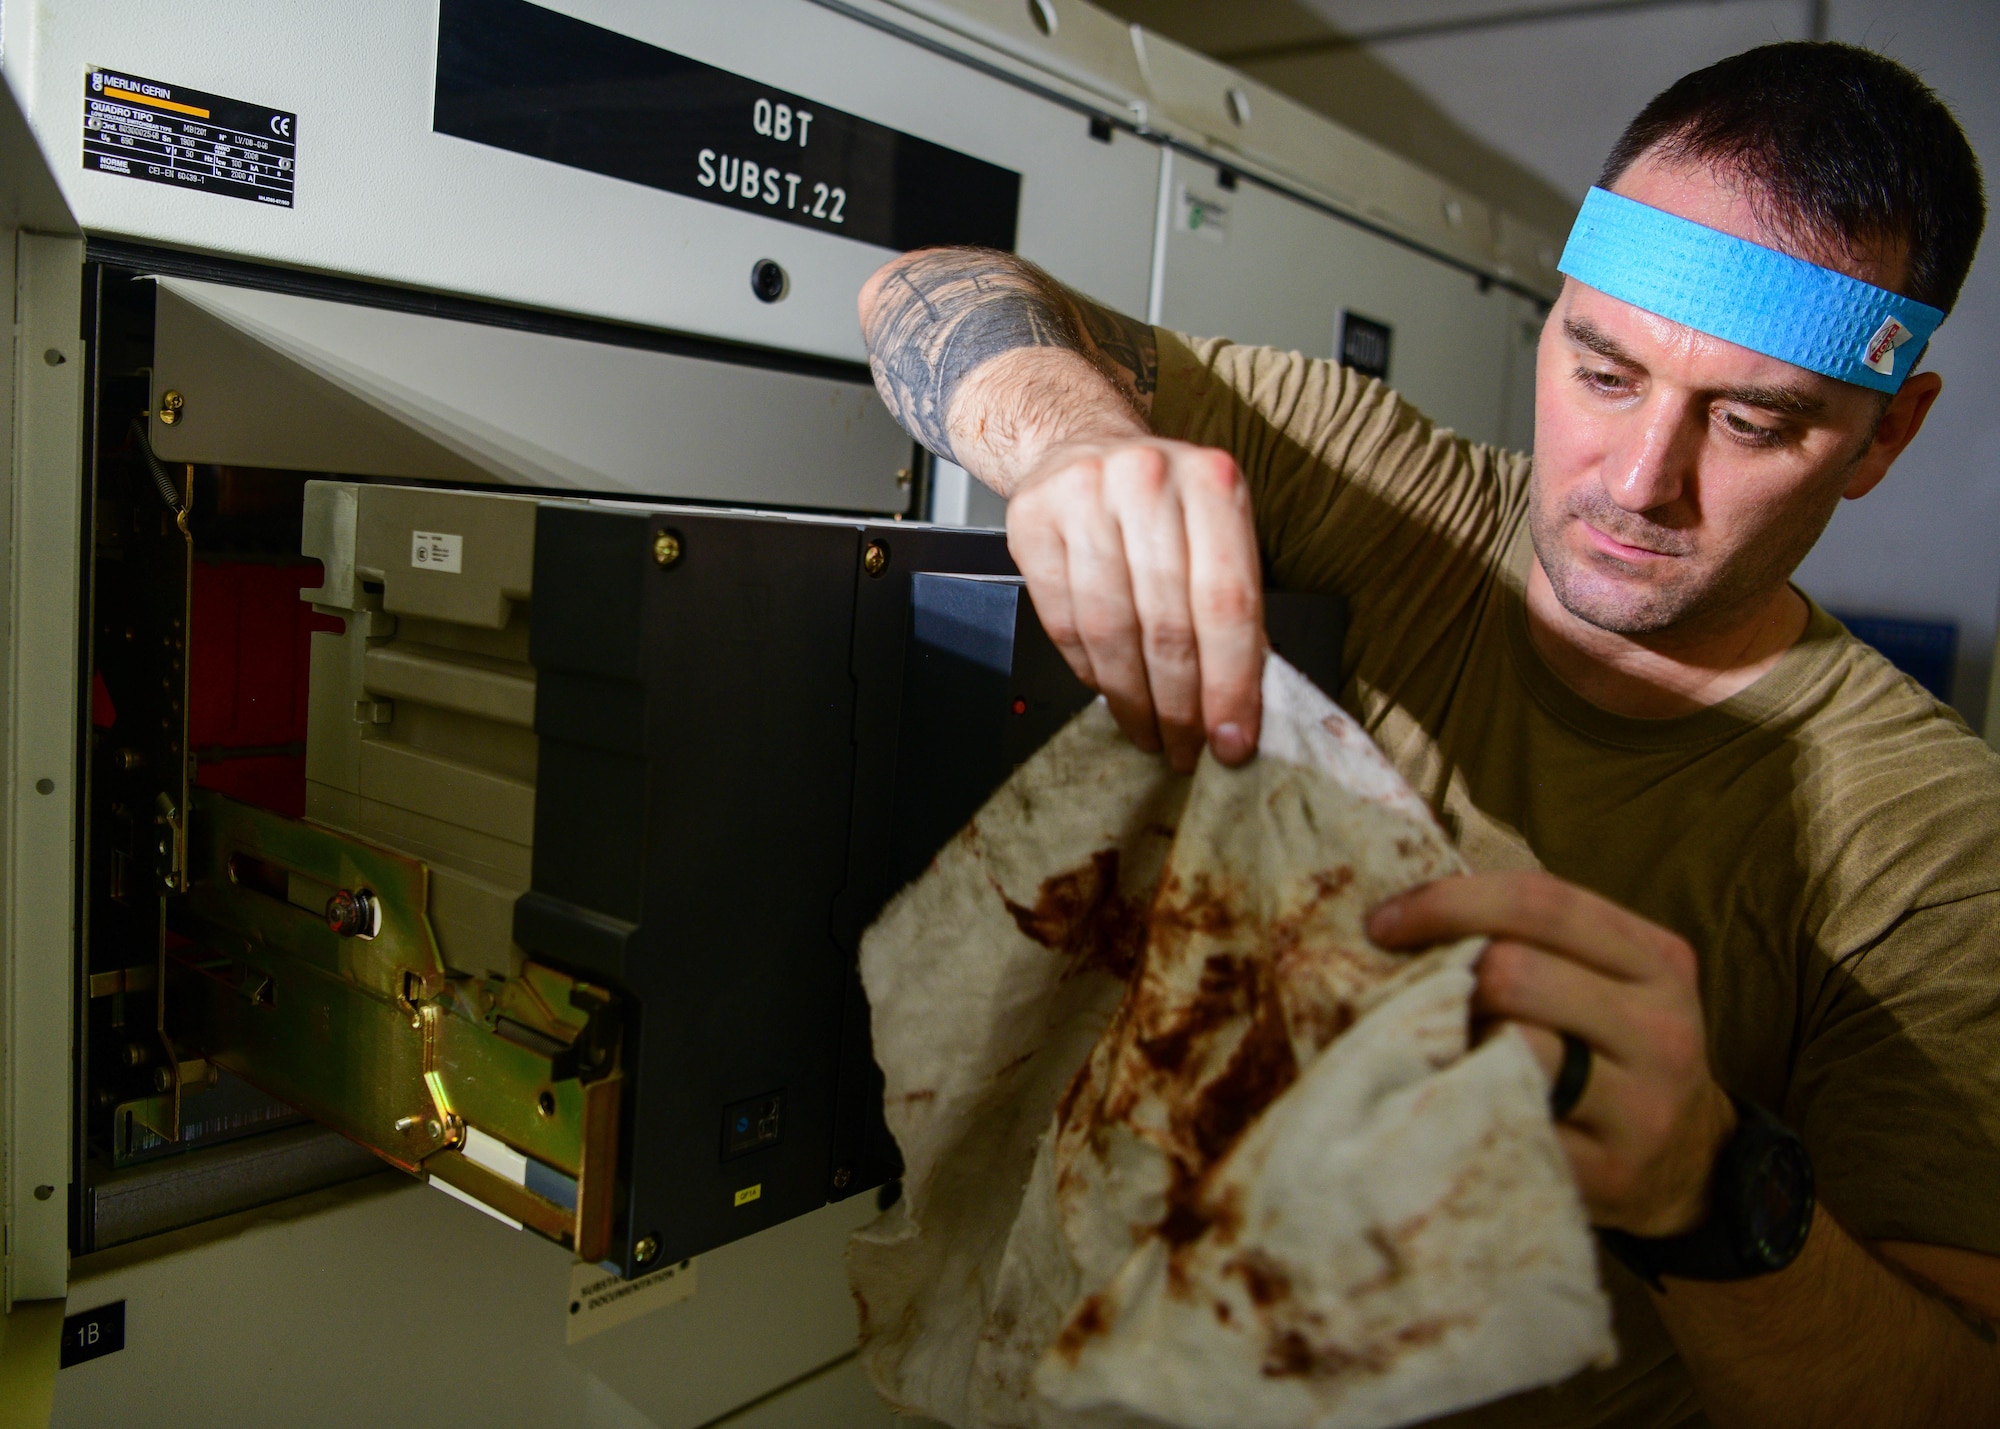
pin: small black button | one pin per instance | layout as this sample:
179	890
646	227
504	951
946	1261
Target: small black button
768	281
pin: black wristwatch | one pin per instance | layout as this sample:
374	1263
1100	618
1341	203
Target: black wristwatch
1760	1209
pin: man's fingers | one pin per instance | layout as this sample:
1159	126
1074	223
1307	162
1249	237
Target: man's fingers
1142	562
1225	601
1546	1045
1522	983
1107	621
1532	907
1035	541
1140	492
1600	1089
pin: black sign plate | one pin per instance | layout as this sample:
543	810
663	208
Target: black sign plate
170	134
90	1333
1364	345
520	77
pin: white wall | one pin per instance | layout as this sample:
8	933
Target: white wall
1554	93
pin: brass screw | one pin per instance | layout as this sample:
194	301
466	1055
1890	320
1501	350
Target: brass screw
875	559
841	1176
646	1249
666	548
170	408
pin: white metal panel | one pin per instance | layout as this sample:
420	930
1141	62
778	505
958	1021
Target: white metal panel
1186	96
41	537
1260	267
272	379
381	196
403	1307
37	898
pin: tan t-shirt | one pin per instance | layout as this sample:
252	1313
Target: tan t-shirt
1828	839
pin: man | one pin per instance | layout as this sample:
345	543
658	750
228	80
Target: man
1740	875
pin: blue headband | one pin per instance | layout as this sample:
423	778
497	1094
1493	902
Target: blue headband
1742	292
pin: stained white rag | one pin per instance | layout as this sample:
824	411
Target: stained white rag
1182	1147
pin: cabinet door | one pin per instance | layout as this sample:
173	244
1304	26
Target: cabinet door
1255	265
41	536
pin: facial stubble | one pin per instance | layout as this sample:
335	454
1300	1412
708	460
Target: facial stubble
1698	589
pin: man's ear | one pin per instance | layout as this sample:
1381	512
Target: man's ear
1897	427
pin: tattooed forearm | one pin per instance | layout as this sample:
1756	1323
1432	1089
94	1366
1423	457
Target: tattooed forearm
938	315
1127	351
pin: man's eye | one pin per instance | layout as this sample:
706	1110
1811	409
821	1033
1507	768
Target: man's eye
1749	432
1609	383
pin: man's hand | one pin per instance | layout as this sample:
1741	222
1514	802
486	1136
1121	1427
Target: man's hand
1142	562
1139	553
1644	1138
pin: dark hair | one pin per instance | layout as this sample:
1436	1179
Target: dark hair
1845	145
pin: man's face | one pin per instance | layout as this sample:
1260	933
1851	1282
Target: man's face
1679	478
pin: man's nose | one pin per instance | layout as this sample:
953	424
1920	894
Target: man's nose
1651	468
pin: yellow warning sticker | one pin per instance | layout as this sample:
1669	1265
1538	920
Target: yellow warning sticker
749	1193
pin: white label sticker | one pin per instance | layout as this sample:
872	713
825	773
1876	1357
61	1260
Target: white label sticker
598	1299
437	551
1206	218
1880	354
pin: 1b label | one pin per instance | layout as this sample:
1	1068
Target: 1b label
91	1333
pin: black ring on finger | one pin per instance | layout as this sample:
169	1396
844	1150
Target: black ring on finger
1571	1078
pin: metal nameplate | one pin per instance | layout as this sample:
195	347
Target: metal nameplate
170	134
90	1333
599	1299
520	77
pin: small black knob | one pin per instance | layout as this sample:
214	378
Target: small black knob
768	281
353	914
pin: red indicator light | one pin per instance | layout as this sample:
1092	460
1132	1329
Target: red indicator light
1020	707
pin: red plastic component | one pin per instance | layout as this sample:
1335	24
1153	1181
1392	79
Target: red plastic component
103	713
270	781
249	665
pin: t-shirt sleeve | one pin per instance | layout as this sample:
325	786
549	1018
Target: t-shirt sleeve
1356	492
1897	1086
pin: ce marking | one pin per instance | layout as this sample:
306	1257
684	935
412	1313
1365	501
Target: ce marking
281	125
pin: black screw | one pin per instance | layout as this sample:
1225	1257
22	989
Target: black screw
546	1103
768	281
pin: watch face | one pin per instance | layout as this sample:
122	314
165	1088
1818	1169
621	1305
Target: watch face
1777	1214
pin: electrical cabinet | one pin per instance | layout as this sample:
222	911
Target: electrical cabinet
1239	259
478	653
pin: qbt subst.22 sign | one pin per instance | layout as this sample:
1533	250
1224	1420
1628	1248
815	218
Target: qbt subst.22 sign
523	78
